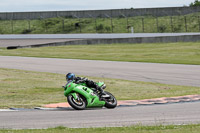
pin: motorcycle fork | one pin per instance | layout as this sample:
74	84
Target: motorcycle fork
75	96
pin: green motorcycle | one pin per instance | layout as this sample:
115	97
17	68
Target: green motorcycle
79	96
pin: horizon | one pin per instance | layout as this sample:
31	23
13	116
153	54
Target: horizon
95	9
79	5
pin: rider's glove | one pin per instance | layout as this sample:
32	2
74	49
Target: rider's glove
64	87
78	82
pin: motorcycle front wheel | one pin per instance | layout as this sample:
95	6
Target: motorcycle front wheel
78	104
110	102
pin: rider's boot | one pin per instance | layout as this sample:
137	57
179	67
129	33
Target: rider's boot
104	95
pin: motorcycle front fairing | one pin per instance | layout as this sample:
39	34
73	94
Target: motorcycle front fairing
87	93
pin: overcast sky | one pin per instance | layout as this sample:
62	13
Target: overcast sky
58	5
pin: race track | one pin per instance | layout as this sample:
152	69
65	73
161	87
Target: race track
150	72
178	113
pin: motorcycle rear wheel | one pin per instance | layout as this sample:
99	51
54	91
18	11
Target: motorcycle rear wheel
79	104
110	102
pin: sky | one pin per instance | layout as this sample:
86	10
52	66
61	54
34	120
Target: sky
65	5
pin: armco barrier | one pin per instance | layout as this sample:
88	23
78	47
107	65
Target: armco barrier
168	11
161	39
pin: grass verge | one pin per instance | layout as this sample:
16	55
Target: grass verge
131	129
30	89
173	53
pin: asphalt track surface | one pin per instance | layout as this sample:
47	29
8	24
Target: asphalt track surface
4	43
34	39
178	113
91	36
187	75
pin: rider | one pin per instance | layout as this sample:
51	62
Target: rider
91	84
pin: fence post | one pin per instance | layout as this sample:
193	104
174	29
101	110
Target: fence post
95	24
185	23
80	24
143	25
111	20
199	22
111	24
12	26
157	24
127	24
45	25
29	25
172	27
63	24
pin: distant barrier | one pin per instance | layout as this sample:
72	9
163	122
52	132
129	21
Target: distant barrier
161	39
156	12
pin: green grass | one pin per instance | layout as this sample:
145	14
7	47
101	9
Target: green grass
131	129
30	89
89	25
174	53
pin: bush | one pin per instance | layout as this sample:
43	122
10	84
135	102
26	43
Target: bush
162	28
100	27
26	31
108	29
47	23
196	3
51	22
177	28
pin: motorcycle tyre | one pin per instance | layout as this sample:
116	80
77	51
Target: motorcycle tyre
109	105
74	105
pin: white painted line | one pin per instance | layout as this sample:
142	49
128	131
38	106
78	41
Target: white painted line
52	109
3	110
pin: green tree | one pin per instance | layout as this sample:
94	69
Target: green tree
195	3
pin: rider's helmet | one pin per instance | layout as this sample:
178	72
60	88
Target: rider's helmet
70	76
